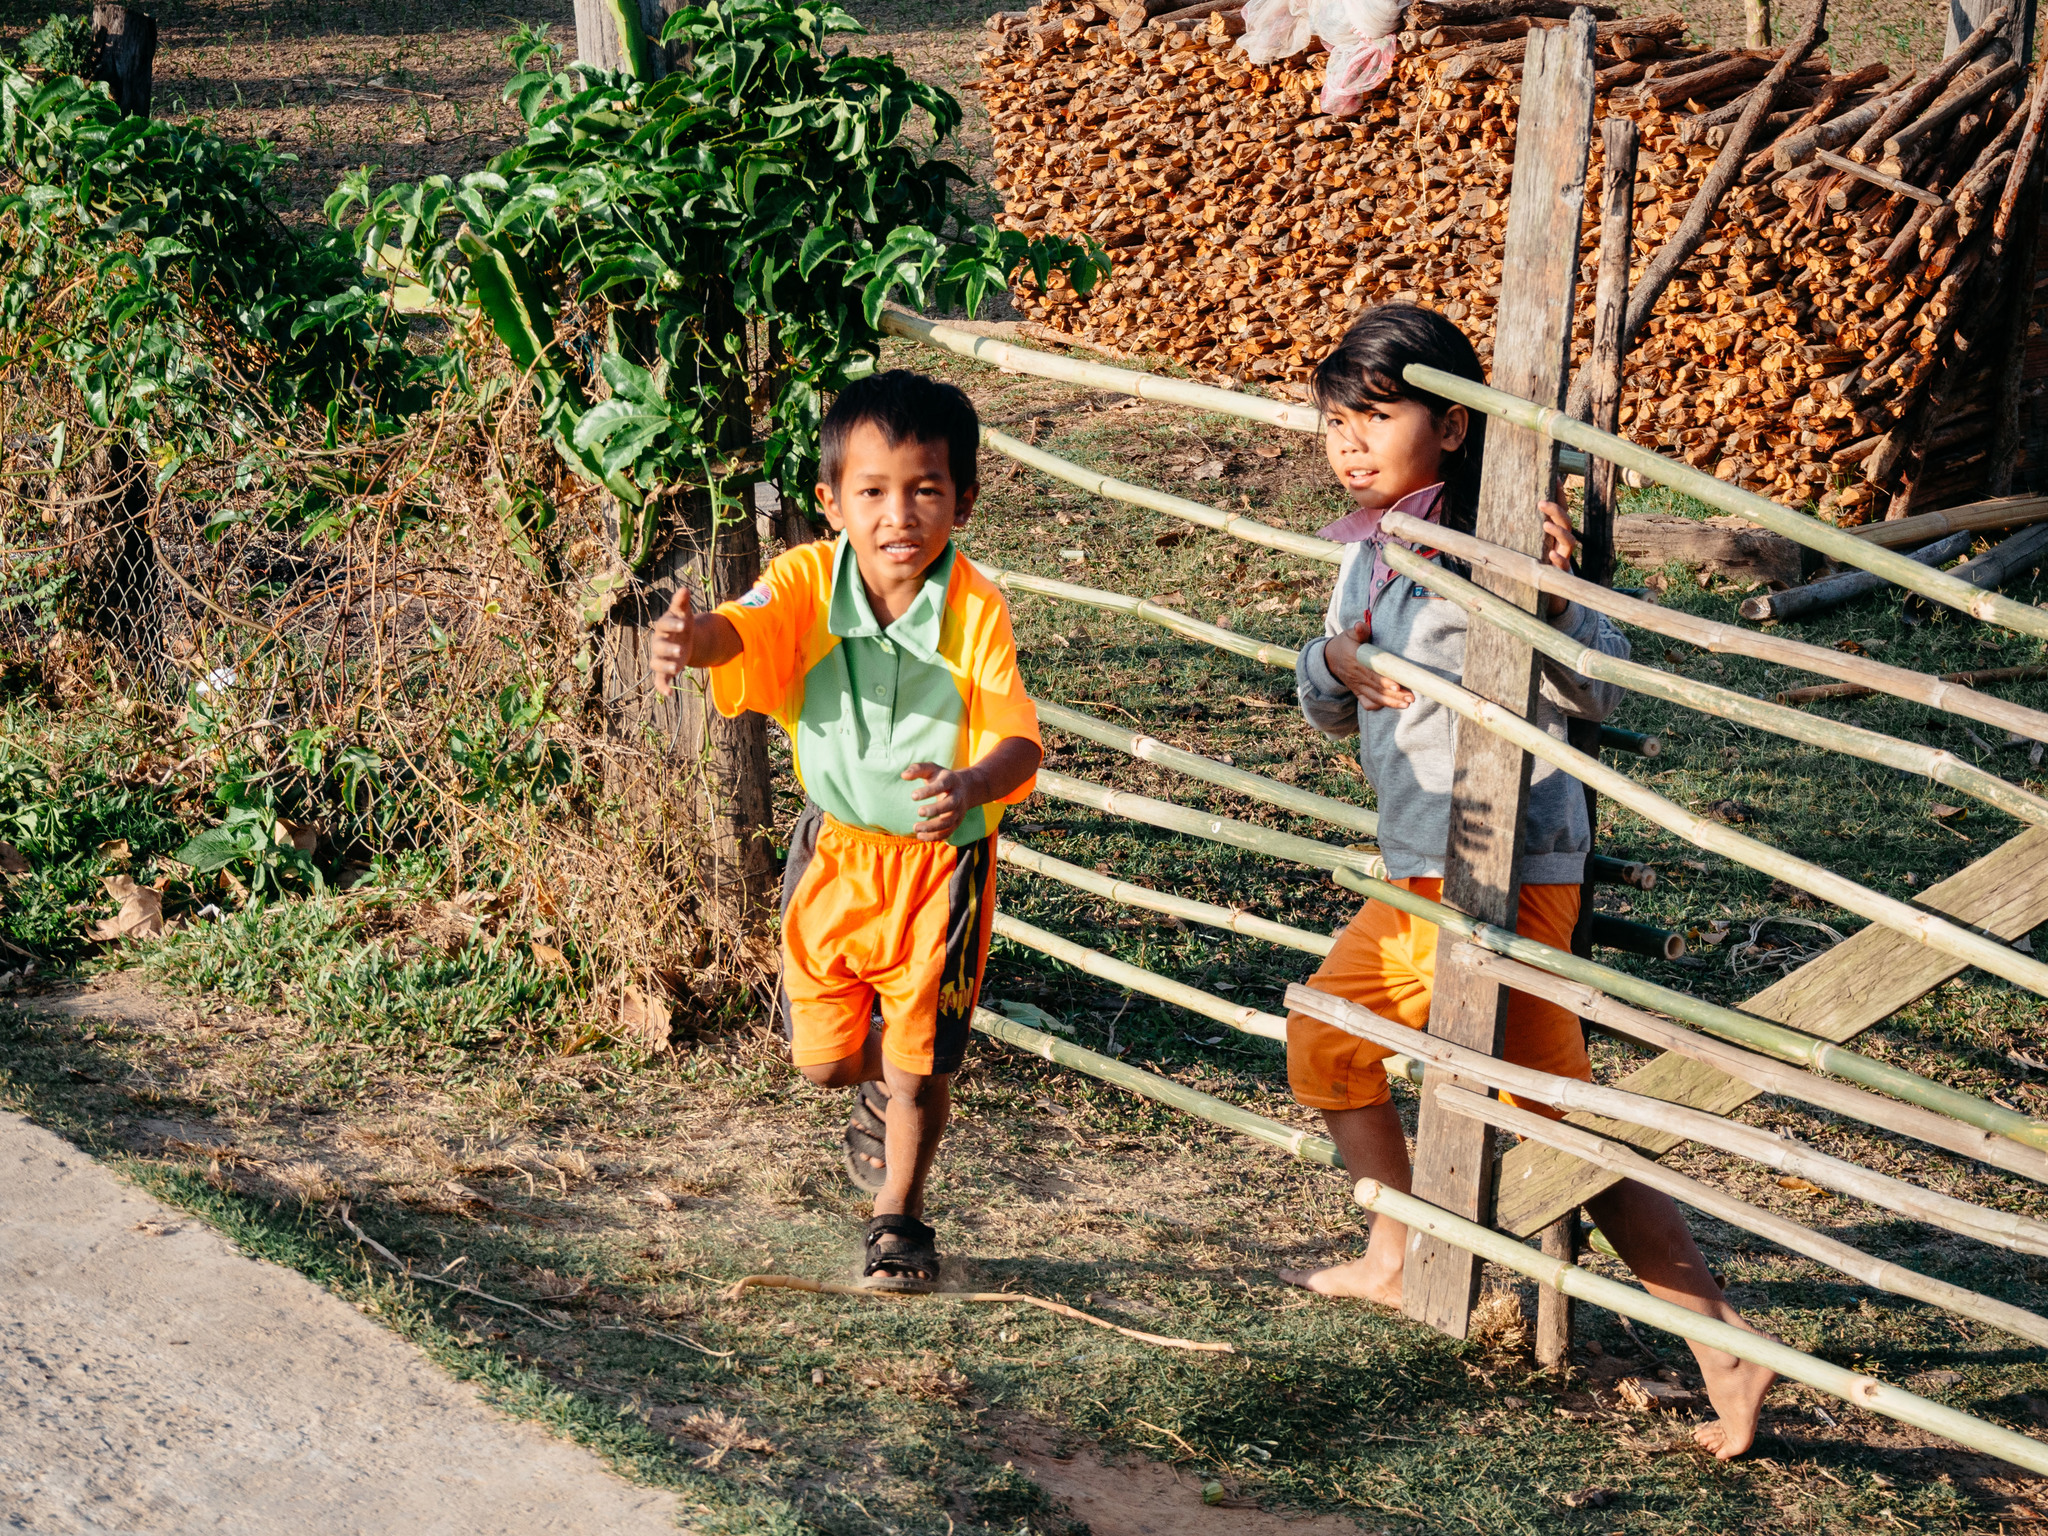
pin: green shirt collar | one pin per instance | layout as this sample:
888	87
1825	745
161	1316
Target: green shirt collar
850	617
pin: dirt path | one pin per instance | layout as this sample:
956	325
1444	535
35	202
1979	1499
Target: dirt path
152	1379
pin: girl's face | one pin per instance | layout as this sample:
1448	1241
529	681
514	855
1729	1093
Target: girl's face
1382	451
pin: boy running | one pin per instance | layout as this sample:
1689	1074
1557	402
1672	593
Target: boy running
889	661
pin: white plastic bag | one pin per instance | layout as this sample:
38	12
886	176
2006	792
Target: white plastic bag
1360	37
1275	29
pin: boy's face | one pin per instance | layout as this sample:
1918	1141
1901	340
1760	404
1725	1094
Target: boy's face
897	505
1384	450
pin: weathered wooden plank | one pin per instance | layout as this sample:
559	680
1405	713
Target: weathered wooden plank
1860	982
1490	778
1610	313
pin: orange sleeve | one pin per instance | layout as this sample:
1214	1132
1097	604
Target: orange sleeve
998	707
772	618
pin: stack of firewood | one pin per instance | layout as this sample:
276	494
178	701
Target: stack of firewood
1803	352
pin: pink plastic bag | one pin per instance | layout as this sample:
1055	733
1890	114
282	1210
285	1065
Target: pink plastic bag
1360	37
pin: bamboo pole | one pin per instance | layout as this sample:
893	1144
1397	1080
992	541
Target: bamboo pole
1363	875
1978	517
1853	1262
1971	679
1851	1386
1816	731
1763	1073
1683	478
1728	639
1994	1121
1353	818
1155	613
1988	954
1134	978
1218	829
1499	1248
1250	529
1124	381
1305	1145
1234	919
2001	1229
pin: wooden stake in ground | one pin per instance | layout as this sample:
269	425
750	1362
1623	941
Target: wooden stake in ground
1756	22
1604	370
1490	784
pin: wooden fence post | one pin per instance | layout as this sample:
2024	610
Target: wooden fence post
1490	783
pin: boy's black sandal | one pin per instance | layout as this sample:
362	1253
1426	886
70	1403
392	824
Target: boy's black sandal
866	1139
913	1266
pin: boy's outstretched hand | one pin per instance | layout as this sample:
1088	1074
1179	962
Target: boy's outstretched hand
685	638
675	637
1560	543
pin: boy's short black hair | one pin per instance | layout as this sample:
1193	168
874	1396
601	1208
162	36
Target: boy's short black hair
905	407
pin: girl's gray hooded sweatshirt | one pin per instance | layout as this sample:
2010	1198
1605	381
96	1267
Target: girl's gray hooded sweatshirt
1407	754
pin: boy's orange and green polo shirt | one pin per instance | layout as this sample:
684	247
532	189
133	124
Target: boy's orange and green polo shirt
862	702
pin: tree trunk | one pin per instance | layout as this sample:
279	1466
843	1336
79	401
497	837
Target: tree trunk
123	55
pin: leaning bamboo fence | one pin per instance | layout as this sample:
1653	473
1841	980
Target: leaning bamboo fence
1768	1056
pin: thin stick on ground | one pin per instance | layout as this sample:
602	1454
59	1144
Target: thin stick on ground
841	1288
392	1260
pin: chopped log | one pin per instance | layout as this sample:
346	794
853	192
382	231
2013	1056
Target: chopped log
1822	110
1875	178
1795	149
1909	104
1721	546
1915	133
1133	14
1977	679
1439	13
2023	162
2002	563
1833	591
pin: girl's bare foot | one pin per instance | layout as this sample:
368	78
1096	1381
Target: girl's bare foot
1736	1388
1363	1278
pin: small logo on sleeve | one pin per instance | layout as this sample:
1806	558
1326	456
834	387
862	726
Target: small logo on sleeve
757	596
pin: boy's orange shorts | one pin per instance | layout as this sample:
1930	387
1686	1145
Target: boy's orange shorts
873	917
1385	961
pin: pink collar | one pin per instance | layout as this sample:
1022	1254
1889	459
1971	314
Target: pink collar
1363	526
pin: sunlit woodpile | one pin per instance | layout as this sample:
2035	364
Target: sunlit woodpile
1800	352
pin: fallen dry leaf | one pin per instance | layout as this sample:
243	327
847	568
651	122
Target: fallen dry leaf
1269	452
550	958
644	1018
1800	1186
1208	469
302	835
115	850
12	862
141	915
1731	811
1942	812
1588	1498
1169	537
660	1199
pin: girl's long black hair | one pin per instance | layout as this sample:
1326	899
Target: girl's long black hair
1365	368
